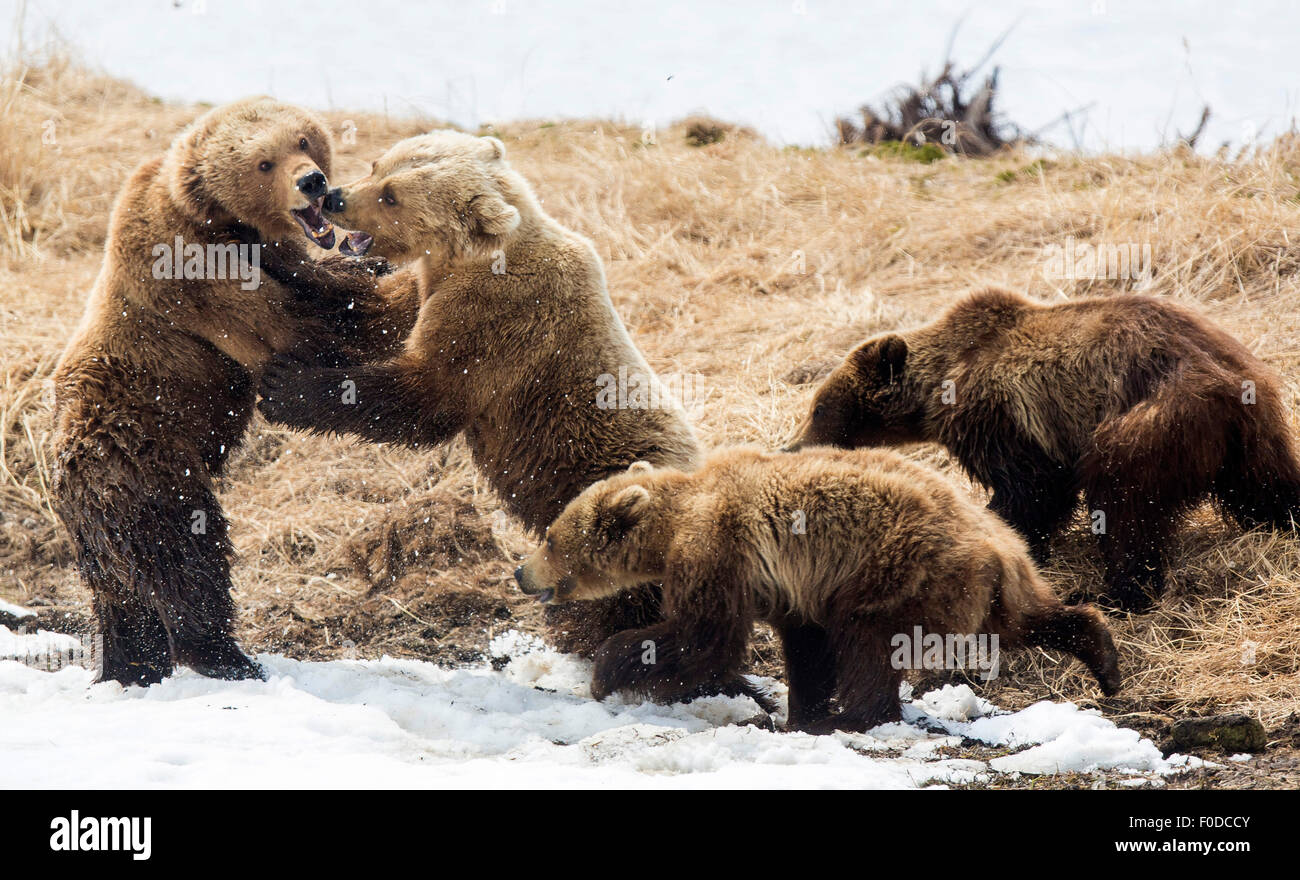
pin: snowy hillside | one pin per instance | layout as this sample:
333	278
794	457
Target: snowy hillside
1138	71
397	723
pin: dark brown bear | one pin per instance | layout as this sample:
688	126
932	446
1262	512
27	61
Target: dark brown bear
1141	405
157	385
842	552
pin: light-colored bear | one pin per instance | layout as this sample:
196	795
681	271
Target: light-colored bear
512	340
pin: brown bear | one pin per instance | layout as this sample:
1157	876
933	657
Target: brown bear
1141	404
842	552
158	383
509	337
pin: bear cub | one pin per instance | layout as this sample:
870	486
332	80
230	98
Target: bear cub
839	551
1139	404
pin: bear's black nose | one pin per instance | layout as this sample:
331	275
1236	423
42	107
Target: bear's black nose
519	575
313	185
334	200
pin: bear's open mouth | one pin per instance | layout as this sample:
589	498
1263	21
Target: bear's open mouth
355	244
318	229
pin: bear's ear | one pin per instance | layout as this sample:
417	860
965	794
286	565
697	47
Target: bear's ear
884	357
490	214
640	467
495	149
182	172
626	507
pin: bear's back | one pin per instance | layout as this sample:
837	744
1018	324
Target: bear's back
823	520
1054	372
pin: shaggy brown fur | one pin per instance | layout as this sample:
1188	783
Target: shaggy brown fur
1140	404
157	386
839	551
511	331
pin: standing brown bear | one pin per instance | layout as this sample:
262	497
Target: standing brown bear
842	552
158	383
1142	405
501	329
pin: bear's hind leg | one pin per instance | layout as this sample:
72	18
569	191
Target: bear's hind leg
133	642
172	552
867	683
1264	488
809	671
1132	537
155	554
1144	469
182	563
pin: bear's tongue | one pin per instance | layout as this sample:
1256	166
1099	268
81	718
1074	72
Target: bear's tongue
355	244
318	229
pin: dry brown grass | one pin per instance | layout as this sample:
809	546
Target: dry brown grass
703	247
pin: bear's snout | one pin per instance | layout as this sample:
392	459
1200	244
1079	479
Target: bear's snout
529	587
334	202
525	582
313	185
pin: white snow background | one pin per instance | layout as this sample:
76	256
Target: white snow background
408	724
786	67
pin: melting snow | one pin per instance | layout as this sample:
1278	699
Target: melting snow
404	723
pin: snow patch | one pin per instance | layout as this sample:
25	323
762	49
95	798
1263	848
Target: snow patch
953	703
33	647
404	723
17	612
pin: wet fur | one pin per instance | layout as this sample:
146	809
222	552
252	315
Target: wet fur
157	387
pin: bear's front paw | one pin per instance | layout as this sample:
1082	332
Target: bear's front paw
599	691
617	665
285	263
376	266
299	394
355	267
340	311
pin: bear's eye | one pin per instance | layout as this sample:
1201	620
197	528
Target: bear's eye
302	145
550	543
266	165
819	410
387	199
